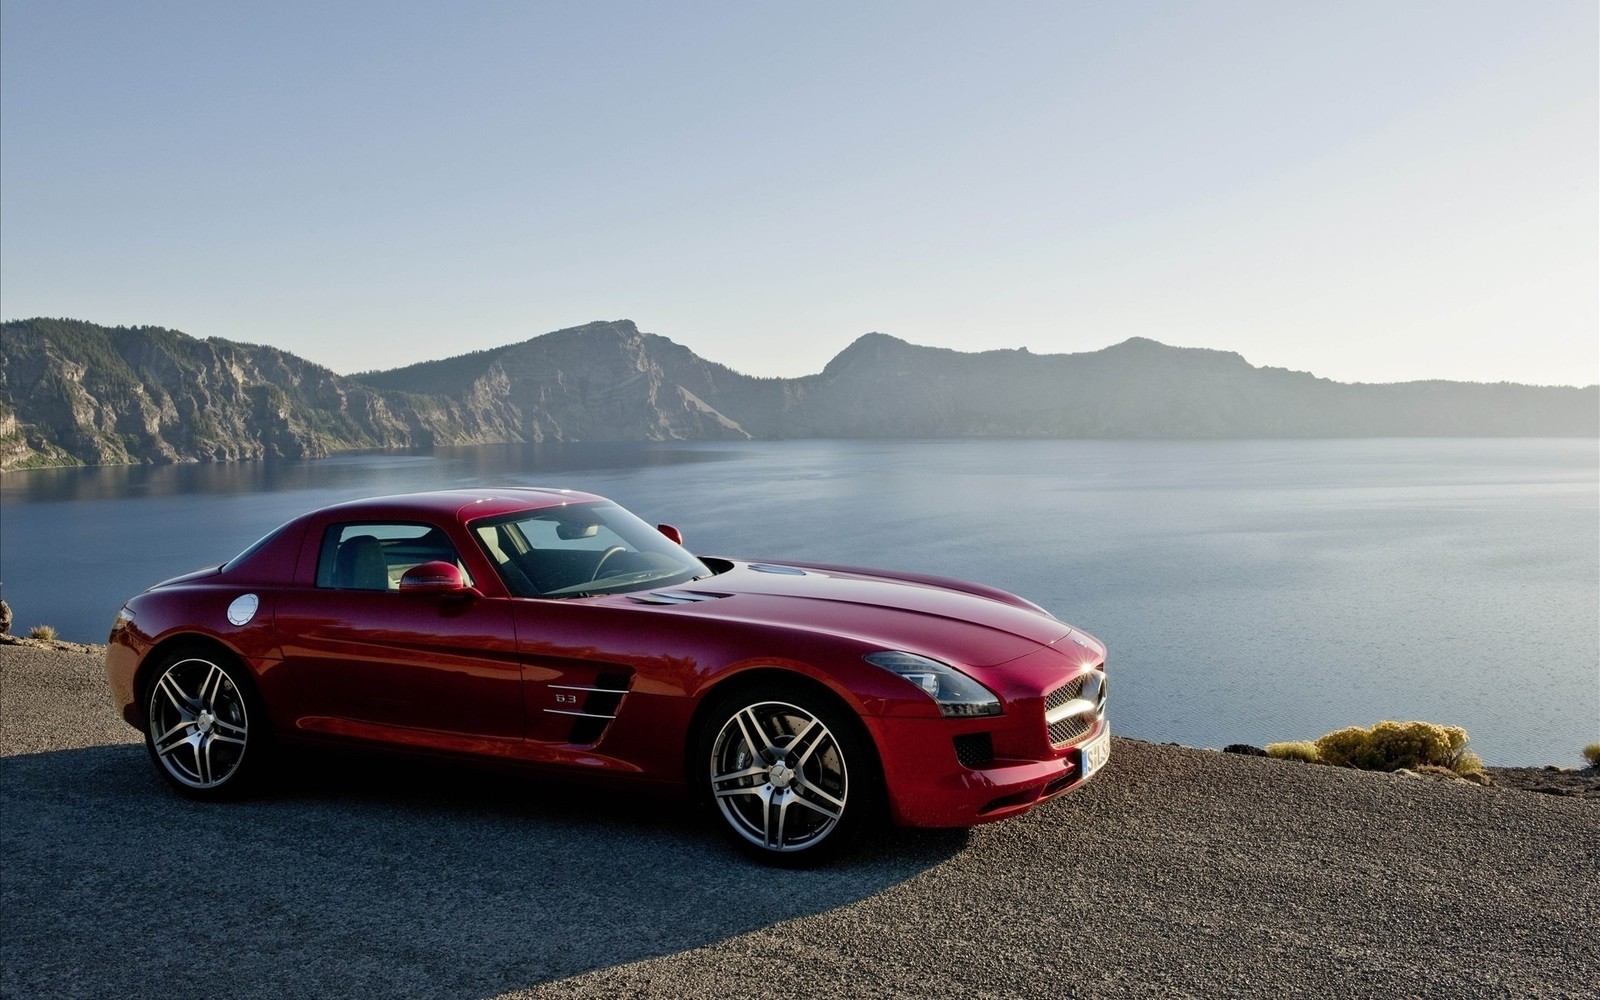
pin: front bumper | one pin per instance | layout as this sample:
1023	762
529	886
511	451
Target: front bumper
943	772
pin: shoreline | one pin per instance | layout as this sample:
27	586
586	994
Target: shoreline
1548	779
642	442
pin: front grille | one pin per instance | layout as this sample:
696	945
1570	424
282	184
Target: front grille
1070	710
1068	729
1063	694
975	749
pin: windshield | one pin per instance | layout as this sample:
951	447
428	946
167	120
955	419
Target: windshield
580	550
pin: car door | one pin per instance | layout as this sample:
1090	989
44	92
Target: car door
576	672
374	663
574	678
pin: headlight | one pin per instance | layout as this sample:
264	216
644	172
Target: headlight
956	693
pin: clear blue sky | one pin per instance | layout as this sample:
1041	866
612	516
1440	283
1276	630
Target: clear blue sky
1371	191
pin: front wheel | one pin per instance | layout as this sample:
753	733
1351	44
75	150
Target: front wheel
789	774
203	727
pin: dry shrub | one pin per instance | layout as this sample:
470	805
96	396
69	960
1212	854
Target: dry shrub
1303	750
1347	747
1408	744
1591	753
47	632
1474	776
1389	746
1469	765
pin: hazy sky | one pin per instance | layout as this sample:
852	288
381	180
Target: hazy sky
1371	191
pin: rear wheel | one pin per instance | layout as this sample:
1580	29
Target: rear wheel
788	772
203	725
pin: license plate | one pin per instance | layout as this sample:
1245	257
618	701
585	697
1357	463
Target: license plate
1096	752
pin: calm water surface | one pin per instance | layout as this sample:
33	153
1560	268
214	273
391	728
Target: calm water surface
1250	591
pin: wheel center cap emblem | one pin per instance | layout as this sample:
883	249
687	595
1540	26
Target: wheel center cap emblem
779	776
204	721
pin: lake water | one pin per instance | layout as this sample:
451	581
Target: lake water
1250	591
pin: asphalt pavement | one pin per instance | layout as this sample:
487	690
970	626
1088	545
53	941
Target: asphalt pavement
1176	873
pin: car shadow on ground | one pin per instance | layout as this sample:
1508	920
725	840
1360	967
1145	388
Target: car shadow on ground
350	875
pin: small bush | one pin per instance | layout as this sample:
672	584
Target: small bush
1347	747
1468	765
1302	750
1591	753
1408	744
47	632
1474	776
1389	746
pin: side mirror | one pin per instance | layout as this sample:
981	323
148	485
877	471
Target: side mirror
434	578
671	532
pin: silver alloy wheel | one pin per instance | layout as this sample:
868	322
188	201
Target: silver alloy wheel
199	728
779	776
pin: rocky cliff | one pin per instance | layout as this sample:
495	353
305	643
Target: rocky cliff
73	392
882	386
599	382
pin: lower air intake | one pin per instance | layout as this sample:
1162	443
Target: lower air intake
975	750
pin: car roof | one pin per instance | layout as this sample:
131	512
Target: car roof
463	504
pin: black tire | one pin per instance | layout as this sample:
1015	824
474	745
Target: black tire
804	792
204	725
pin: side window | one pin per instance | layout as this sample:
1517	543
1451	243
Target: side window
374	556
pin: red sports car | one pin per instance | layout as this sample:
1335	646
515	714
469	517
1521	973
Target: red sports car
555	629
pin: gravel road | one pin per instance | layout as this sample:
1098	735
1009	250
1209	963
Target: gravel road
1176	873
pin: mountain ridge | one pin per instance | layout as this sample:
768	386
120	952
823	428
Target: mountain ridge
73	392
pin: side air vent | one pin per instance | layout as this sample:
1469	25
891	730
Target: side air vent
601	700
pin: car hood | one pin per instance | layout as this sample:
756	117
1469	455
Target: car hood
891	613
